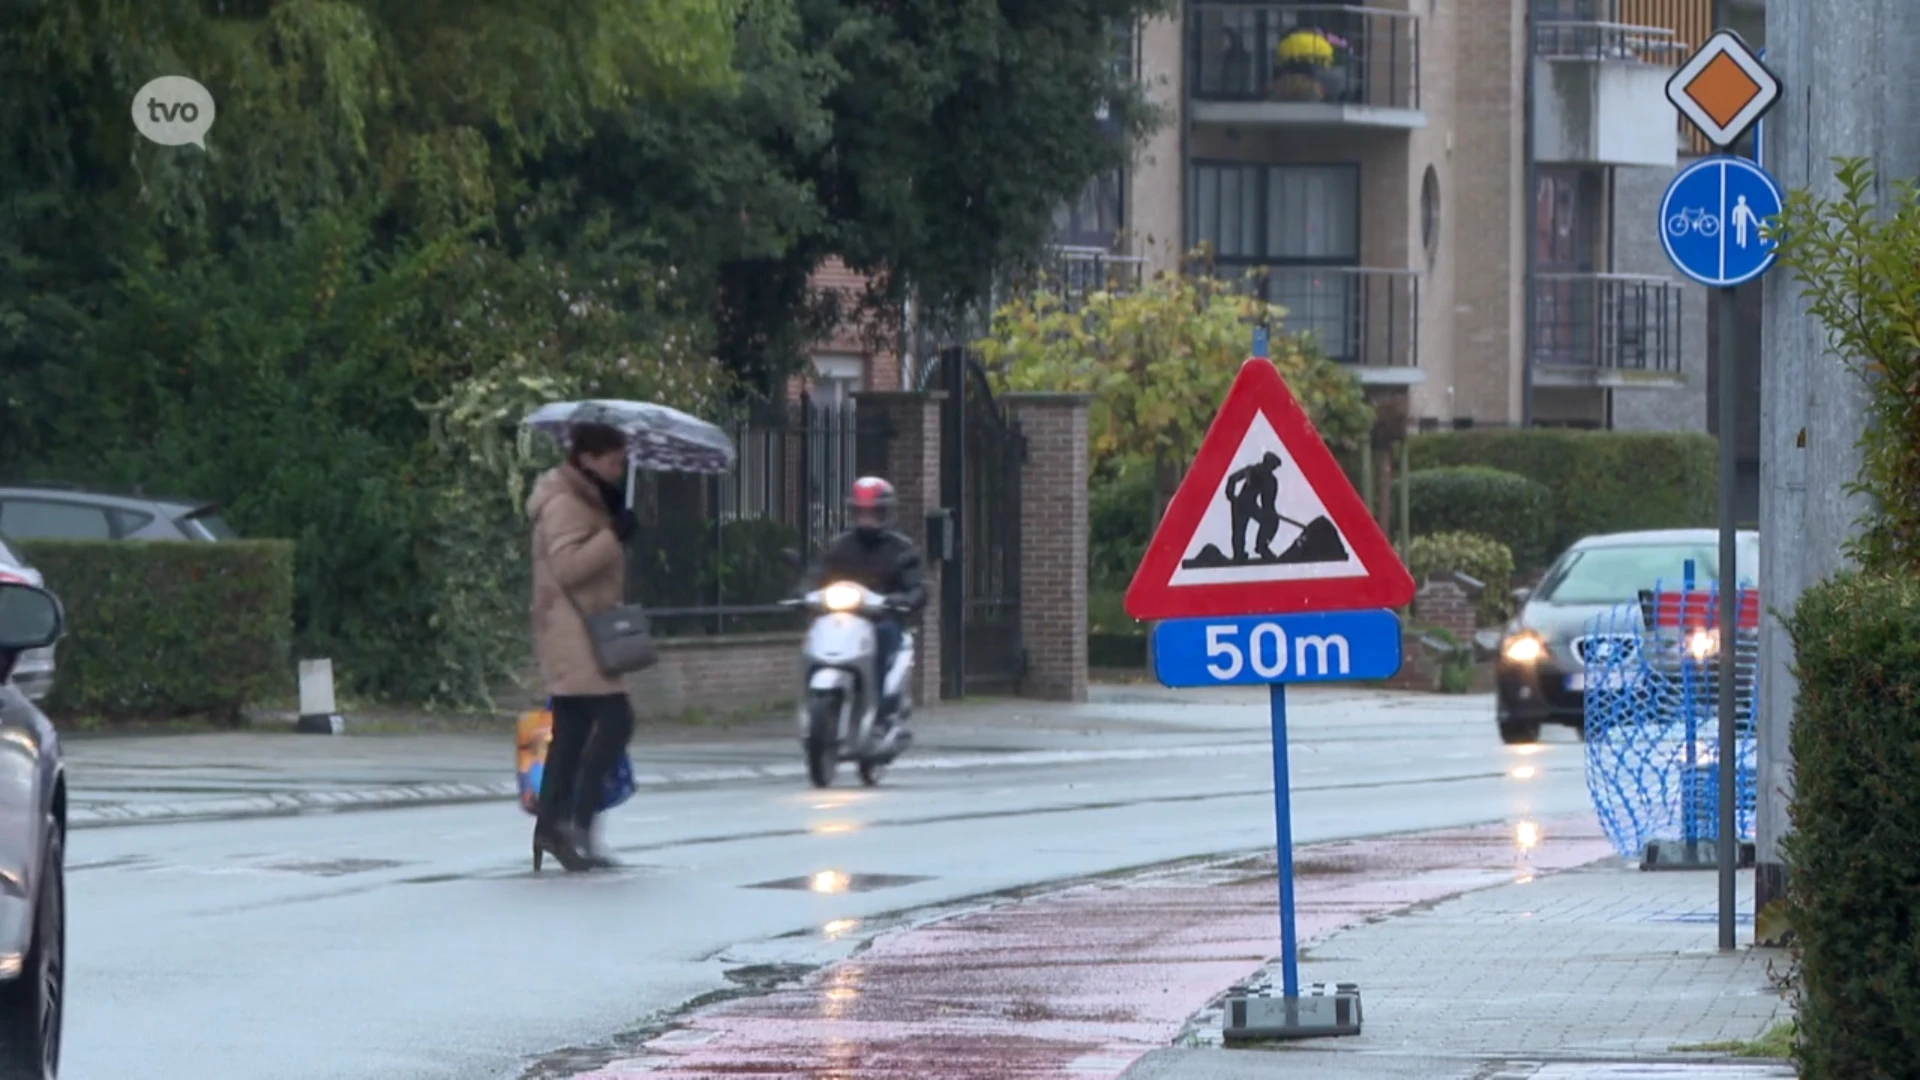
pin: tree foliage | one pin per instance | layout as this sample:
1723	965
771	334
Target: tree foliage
414	221
1157	362
1857	258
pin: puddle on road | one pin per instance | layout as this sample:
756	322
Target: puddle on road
834	881
328	868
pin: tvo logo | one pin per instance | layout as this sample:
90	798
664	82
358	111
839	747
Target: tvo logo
174	110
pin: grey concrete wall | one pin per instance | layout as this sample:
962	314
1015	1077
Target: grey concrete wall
1637	250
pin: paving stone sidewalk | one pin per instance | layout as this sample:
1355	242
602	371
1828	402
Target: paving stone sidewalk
1568	975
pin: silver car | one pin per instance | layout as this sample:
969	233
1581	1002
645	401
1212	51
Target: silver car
52	512
33	672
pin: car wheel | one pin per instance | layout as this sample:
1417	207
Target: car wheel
31	1007
1519	732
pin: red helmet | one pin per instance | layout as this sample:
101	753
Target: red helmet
872	502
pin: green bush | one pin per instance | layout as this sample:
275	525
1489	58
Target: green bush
1476	556
1853	887
684	562
1599	481
169	628
1490	502
1120	525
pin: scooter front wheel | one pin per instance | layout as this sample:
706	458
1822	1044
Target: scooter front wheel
823	740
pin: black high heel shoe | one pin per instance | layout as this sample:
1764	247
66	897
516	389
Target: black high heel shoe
561	846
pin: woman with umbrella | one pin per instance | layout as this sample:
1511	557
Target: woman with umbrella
581	524
584	636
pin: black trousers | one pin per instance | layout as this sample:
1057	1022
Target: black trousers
589	732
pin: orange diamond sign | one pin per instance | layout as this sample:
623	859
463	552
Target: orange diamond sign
1723	88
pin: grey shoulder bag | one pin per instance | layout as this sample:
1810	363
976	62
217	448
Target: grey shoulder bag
622	638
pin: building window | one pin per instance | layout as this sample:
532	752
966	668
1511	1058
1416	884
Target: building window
1097	219
1299	223
1430	213
1568	212
837	379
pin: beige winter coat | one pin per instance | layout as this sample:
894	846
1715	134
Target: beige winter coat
574	547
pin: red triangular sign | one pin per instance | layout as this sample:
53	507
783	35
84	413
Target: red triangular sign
1305	539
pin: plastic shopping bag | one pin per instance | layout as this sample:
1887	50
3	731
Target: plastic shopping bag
533	735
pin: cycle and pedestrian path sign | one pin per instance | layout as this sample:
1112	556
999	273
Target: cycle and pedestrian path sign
1712	218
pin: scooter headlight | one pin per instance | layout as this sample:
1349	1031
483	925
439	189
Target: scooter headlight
841	597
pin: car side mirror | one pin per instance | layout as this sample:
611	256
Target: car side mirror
1520	595
30	618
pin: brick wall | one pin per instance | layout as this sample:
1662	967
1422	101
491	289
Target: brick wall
910	458
1053	543
874	340
731	673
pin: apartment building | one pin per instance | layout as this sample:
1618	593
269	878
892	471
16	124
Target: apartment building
1457	197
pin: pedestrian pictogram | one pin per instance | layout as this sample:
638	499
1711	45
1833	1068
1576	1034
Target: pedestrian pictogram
1713	217
1723	89
1265	521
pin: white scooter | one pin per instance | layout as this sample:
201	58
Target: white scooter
840	717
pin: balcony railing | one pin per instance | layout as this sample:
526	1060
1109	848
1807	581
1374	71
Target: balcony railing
1328	54
1366	317
1606	323
1091	269
1577	40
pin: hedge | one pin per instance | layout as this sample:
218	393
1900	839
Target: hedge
169	628
1485	501
1600	481
1477	557
1853	887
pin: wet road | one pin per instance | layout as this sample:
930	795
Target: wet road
417	943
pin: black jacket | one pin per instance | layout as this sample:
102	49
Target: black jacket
888	564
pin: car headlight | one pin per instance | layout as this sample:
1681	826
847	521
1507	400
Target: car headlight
842	597
1525	648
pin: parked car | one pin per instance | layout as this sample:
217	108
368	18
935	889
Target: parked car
33	827
53	512
1541	668
33	674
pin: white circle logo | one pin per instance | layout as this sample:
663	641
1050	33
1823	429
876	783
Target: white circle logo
174	110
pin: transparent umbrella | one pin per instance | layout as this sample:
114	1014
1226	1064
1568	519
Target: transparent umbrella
659	438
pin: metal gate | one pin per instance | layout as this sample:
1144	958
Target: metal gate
982	455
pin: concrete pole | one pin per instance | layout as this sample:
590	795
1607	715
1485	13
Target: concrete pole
1851	90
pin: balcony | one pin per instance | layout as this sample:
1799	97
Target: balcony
1079	270
1303	65
1597	84
1366	318
1606	330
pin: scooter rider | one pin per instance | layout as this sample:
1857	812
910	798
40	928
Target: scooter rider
874	555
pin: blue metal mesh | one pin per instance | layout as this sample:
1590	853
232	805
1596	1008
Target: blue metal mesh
1652	728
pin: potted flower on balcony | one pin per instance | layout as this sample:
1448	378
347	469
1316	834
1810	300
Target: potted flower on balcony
1312	66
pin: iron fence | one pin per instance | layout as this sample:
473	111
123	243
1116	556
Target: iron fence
1606	322
1266	52
715	554
1598	30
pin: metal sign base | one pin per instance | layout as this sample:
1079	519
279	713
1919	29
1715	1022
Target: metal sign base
1702	854
1260	1010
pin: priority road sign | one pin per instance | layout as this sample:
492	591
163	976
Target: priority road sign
1265	521
1711	216
1723	88
1328	646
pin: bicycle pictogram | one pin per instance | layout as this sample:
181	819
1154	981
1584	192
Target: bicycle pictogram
1694	219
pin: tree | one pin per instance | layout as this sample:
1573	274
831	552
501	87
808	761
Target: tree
1856	259
1158	361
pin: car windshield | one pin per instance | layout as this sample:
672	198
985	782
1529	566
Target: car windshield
1615	575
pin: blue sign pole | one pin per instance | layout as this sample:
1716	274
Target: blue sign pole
1260	342
1283	834
1274	650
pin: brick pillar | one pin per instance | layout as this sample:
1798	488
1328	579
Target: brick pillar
899	438
1053	543
1443	603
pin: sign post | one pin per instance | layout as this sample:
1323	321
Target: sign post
1710	223
1269	569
